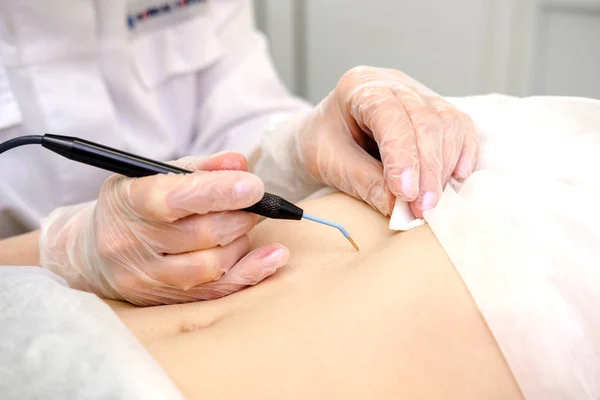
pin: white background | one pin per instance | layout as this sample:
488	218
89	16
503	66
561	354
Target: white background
456	47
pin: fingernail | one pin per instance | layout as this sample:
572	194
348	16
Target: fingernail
408	184
230	160
230	164
429	201
466	168
269	263
273	257
244	188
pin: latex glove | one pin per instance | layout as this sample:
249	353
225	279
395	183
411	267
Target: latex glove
163	239
422	140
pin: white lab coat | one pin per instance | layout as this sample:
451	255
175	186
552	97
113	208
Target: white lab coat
196	80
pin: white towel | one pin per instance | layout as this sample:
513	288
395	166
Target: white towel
524	234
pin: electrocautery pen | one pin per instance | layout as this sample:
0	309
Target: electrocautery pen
120	162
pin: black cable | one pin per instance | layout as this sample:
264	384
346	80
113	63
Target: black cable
20	141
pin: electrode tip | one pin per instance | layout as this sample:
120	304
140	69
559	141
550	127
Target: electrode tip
353	243
332	224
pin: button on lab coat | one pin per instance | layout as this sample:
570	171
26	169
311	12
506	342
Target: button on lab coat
192	81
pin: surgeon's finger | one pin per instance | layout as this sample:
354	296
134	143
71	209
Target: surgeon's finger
429	135
187	270
228	160
250	270
453	135
470	150
166	198
348	167
381	113
198	232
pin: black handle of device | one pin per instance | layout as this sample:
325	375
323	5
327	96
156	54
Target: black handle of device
107	158
120	162
273	206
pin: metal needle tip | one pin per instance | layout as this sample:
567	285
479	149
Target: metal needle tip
353	243
332	224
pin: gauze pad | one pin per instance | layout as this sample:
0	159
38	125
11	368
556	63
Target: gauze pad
402	218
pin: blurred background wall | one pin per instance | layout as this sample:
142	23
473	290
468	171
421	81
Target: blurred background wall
456	47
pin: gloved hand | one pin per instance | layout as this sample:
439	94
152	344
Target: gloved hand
421	138
163	239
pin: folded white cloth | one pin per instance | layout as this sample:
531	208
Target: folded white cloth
60	343
402	218
524	234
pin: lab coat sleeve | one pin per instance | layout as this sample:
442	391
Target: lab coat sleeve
241	95
281	166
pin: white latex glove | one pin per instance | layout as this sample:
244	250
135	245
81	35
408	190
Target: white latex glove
422	141
164	239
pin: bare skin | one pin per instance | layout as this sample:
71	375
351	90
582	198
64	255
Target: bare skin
20	250
392	321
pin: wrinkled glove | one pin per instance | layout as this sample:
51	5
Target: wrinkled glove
374	114
163	239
